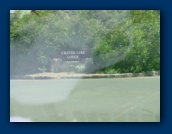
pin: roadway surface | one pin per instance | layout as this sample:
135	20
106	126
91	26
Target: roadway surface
87	100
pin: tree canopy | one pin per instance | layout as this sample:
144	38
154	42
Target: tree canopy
120	40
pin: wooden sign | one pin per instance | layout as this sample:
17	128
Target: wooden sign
73	55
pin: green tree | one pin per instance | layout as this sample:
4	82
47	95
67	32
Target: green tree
122	41
133	45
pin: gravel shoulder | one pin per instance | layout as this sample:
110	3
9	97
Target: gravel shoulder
66	75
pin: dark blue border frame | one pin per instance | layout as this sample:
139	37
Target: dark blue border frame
166	90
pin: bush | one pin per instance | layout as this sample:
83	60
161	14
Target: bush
80	68
89	66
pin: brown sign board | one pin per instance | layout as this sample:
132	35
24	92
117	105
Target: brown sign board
73	55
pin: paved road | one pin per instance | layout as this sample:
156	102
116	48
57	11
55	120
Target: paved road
87	100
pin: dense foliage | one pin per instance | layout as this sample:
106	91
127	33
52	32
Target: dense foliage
120	41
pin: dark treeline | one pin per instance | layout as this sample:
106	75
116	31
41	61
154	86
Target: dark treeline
120	40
